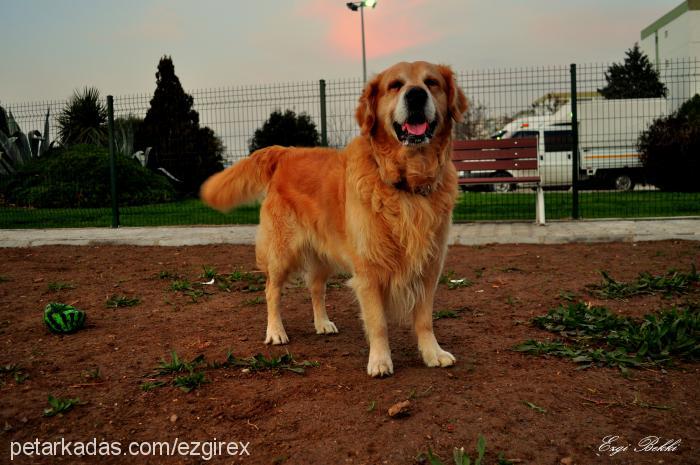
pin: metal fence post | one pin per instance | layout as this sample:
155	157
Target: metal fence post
574	146
112	163
324	128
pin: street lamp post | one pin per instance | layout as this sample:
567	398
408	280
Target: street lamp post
354	6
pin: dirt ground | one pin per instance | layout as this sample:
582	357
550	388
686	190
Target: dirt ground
333	413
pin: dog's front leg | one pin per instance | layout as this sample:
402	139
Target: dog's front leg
275	329
371	304
433	355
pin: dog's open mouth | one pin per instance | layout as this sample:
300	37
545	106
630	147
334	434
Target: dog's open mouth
415	132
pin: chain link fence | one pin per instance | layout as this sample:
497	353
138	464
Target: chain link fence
609	181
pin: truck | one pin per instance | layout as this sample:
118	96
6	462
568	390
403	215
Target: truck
607	151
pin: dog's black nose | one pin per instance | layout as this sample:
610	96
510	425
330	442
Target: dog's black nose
416	98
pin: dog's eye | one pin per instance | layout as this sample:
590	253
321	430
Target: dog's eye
430	82
395	85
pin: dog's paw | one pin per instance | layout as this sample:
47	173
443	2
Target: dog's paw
438	358
325	327
380	366
276	337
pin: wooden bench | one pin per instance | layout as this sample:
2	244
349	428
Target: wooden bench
488	162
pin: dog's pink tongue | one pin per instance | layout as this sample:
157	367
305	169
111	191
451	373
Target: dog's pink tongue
415	129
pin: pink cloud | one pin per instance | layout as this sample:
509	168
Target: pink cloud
392	27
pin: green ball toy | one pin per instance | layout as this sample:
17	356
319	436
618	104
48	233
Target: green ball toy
63	319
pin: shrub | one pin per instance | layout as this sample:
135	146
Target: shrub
670	149
79	177
286	129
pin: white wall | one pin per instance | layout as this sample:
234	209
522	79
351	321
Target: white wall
677	40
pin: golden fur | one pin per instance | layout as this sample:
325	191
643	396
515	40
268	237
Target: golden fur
377	209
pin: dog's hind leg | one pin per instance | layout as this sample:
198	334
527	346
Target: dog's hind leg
316	278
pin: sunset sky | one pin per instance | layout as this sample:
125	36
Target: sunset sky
53	47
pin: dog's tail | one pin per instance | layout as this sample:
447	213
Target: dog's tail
243	182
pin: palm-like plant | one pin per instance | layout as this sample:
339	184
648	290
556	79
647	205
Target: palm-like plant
84	119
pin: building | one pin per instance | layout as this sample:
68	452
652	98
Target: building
675	35
672	43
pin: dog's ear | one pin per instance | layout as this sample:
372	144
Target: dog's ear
456	100
366	113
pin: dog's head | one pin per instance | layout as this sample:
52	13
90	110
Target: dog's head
408	110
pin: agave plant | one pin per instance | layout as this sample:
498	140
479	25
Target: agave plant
16	147
124	144
124	135
84	119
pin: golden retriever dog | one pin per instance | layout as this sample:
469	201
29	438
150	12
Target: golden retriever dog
380	209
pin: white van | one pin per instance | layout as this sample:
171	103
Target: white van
608	134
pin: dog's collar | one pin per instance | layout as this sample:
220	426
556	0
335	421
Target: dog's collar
402	185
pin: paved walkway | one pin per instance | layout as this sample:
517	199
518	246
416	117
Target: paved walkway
556	232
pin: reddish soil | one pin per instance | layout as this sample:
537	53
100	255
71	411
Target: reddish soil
334	413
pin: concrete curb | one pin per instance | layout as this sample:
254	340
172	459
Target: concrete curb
160	236
557	232
565	232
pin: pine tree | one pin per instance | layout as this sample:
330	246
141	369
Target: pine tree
171	128
635	78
